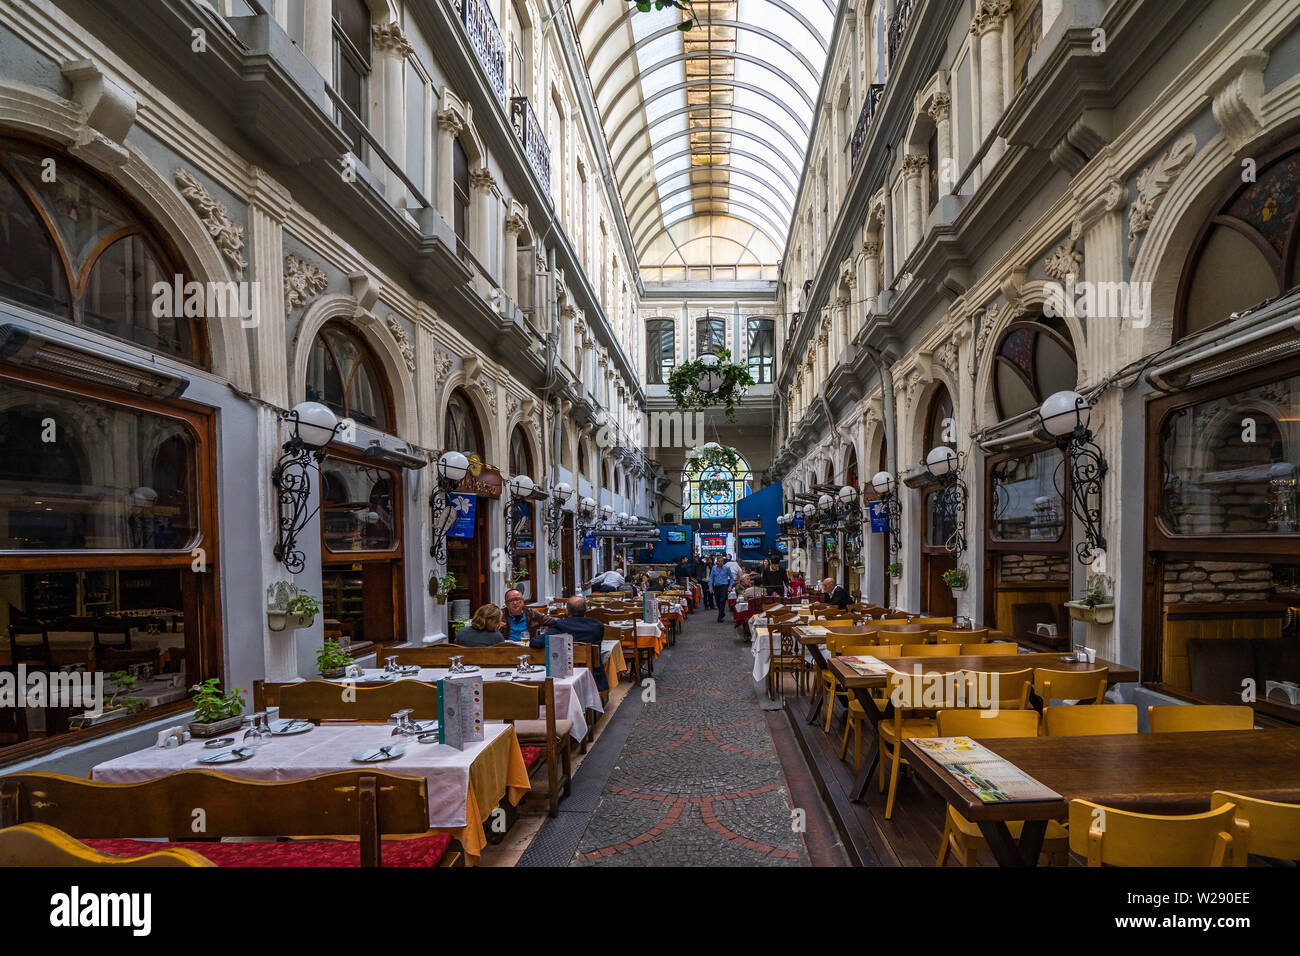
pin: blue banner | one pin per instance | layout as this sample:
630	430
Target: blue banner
588	542
463	505
879	518
798	519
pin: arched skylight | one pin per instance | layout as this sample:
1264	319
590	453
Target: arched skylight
707	128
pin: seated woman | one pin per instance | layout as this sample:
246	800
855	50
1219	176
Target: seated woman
795	585
483	630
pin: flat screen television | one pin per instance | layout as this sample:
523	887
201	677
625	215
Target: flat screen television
676	537
713	542
751	542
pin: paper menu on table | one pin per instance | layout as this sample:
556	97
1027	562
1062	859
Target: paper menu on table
868	666
992	778
460	710
559	655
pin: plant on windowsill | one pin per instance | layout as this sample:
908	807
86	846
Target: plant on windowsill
1097	606
332	660
895	569
955	579
733	380
215	711
112	708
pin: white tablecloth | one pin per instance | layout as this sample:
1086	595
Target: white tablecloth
762	653
573	695
324	749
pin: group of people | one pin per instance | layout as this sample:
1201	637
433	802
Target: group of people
725	576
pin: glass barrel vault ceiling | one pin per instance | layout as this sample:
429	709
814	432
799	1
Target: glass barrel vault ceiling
707	129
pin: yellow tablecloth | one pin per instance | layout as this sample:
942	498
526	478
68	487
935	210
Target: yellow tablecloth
496	773
615	664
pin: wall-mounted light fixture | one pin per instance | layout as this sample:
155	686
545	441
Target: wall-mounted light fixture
312	426
521	492
452	469
1064	417
887	488
945	466
555	515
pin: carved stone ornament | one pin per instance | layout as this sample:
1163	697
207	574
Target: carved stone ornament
403	341
303	281
915	163
871	249
489	388
441	363
1152	183
989	15
389	36
946	355
451	122
228	235
1064	261
938	108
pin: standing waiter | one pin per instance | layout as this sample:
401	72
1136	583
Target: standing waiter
774	577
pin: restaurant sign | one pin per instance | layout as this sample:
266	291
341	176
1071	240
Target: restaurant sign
483	480
879	517
750	524
463	506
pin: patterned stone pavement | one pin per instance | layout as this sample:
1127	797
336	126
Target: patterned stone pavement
698	782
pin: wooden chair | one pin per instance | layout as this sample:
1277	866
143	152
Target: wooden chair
115	817
837	644
440	655
1090	721
639	650
854	715
976	636
1172	718
1011	687
840	630
897	616
959	834
1087	687
785	656
39	844
1107	836
931	623
318	700
931	650
906	722
540	737
104	627
1274	827
29	642
996	649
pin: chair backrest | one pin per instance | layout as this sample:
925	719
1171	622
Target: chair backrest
896	615
1009	688
975	636
930	650
326	700
933	622
1089	685
39	844
1274	827
996	649
113	628
1087	721
365	803
971	722
1171	718
840	630
887	650
440	655
1105	835
29	641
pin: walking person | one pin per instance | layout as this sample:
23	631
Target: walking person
702	569
720	584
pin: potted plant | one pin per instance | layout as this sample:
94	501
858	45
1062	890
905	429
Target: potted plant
112	708
955	579
684	384
1097	606
895	569
215	711
332	660
440	588
290	608
555	564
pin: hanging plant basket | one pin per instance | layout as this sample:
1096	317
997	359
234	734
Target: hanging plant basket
709	381
1092	614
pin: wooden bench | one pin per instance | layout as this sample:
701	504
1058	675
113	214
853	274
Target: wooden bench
115	817
520	703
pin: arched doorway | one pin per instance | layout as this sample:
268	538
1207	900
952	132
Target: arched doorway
936	597
467	557
523	515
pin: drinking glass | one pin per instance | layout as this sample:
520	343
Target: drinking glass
391	664
251	738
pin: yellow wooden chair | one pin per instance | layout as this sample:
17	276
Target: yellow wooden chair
1274	827
854	715
977	636
906	722
1090	721
39	844
1010	686
1173	718
831	687
933	622
1084	686
931	650
1106	836
959	834
836	622
996	649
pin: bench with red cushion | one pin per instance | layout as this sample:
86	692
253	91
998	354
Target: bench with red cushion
421	851
531	756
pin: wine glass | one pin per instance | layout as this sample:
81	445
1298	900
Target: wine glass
524	665
390	664
252	739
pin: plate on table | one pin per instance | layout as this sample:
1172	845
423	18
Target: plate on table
379	754
288	728
233	755
407	669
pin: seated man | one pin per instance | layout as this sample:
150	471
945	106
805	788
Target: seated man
836	594
522	623
583	628
749	589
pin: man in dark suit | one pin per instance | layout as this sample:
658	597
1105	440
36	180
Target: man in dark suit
583	628
836	594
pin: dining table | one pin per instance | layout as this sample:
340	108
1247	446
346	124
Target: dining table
465	785
1171	773
861	686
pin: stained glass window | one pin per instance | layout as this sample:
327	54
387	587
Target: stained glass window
711	490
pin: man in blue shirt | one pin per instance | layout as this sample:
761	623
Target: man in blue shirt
583	628
522	623
720	584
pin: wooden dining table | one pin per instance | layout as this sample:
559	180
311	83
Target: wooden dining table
1151	773
861	685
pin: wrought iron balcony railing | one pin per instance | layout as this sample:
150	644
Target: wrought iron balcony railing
874	92
485	37
530	135
898	26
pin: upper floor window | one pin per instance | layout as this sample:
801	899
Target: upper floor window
460	190
351	23
660	350
1247	252
762	350
344	375
460	429
72	249
1033	360
710	335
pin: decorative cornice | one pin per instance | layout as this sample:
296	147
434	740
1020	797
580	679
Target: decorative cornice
303	280
403	341
228	235
1236	98
1152	183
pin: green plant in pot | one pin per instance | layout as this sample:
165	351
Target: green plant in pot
441	587
123	682
1097	605
332	660
215	711
955	579
555	564
895	569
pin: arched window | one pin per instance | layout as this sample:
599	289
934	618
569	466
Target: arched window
660	350
72	248
762	349
343	374
1246	253
1033	360
521	460
711	491
582	459
460	430
937	421
710	335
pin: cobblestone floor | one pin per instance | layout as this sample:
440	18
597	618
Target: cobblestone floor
698	782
